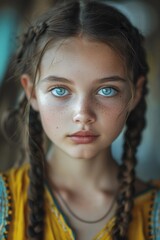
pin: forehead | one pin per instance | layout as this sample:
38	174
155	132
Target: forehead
81	56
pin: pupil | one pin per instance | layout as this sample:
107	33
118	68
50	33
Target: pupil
60	91
106	91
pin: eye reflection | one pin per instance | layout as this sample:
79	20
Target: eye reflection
59	92
107	91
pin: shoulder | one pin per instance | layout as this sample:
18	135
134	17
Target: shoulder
12	185
17	171
5	207
146	212
16	180
155	215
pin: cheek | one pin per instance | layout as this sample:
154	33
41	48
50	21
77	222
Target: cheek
115	108
111	124
52	116
112	117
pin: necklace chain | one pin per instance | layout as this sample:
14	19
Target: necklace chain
83	220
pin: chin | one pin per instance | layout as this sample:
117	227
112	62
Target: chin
83	155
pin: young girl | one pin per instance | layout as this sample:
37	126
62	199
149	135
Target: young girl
83	69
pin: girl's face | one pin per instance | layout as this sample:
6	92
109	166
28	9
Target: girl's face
83	97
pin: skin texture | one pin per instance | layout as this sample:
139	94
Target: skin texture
95	96
83	64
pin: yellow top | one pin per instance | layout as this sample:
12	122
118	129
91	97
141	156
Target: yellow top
146	212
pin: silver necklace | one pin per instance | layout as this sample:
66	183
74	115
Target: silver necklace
82	220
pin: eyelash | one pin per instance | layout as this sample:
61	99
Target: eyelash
58	87
102	88
112	89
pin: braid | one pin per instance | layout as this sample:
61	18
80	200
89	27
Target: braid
12	118
134	126
25	54
36	174
29	40
15	136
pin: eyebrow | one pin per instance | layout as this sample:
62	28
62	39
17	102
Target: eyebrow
57	79
102	80
111	78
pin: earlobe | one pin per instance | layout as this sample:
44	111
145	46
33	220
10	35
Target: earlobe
138	92
28	87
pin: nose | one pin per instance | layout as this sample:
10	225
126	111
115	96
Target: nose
84	112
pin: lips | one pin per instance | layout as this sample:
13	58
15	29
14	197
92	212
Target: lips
83	137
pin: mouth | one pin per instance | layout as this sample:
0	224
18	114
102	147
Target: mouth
83	137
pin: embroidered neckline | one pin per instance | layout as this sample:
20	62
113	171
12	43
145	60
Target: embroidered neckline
5	207
61	217
154	217
152	190
64	222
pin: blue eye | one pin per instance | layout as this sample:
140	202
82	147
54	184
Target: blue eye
107	92
59	91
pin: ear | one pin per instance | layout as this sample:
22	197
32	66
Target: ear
138	92
29	89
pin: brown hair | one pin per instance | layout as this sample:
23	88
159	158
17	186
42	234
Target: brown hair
100	22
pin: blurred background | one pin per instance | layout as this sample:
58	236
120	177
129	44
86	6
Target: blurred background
15	17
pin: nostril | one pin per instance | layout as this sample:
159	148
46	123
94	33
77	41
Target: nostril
84	118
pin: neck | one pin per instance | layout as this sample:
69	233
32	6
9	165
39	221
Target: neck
100	171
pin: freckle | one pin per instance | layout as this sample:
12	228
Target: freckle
57	127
